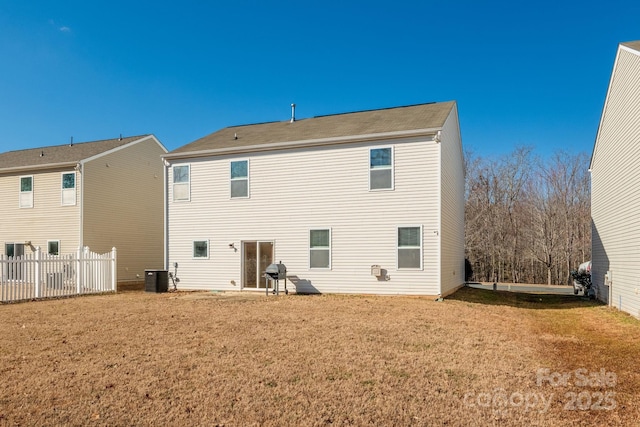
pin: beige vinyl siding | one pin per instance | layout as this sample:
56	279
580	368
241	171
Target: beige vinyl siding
46	220
123	201
295	190
452	226
615	188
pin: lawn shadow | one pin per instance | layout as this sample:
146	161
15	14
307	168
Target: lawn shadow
522	299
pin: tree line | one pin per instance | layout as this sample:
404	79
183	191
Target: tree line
527	219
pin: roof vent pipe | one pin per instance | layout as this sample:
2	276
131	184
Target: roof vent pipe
293	113
71	142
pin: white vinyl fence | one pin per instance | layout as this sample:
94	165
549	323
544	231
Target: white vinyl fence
39	275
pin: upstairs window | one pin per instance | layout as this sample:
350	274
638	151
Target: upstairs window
69	189
320	248
410	247
240	179
181	183
381	168
26	191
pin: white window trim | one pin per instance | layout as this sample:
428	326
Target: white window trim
320	248
59	248
26	192
410	247
248	179
193	255
173	183
391	168
62	189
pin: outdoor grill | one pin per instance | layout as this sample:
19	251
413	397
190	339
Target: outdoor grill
277	272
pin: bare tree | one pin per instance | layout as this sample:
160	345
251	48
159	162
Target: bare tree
526	219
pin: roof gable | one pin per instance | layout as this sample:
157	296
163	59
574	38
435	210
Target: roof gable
632	49
59	155
389	120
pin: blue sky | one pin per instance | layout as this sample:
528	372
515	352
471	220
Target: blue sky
523	73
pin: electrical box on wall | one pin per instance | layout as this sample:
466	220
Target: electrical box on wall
376	270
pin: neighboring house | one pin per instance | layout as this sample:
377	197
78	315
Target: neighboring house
100	194
615	187
369	202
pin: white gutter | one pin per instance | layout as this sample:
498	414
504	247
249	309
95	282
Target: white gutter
38	167
304	143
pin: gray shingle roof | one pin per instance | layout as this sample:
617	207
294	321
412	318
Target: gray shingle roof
59	154
633	45
415	117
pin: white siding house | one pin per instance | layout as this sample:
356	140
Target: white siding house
100	194
334	198
615	187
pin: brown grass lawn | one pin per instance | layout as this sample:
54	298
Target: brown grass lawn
477	358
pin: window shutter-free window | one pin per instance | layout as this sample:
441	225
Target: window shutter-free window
181	181
320	248
53	247
240	179
381	168
201	249
68	189
409	247
26	191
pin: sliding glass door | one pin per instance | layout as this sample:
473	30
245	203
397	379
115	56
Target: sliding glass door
256	257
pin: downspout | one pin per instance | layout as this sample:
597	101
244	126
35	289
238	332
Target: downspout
165	197
437	232
610	283
80	168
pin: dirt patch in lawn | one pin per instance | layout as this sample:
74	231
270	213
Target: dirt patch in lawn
477	358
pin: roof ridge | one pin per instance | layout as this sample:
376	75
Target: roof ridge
255	124
379	109
77	143
337	114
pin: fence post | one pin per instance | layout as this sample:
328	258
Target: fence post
79	271
88	279
114	271
2	278
38	272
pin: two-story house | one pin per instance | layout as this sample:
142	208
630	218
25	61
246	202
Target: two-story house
101	194
364	202
615	185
